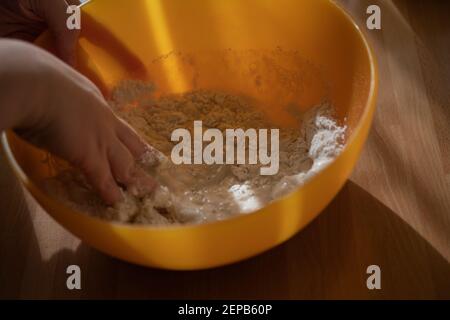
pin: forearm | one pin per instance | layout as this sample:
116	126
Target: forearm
21	85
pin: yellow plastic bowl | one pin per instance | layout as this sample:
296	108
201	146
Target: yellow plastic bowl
284	52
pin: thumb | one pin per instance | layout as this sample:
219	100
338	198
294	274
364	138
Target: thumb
55	14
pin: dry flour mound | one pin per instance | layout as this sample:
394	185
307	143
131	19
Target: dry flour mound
199	193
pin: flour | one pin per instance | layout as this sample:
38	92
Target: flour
201	193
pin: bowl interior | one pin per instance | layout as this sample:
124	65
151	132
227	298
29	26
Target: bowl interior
284	54
292	53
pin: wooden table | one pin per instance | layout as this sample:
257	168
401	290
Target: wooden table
394	212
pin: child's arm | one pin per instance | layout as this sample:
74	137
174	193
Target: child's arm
55	107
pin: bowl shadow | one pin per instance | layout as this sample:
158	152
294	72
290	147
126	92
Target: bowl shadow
327	260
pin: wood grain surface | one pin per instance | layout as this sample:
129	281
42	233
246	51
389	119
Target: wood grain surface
394	212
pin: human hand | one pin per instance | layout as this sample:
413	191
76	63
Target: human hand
27	19
64	112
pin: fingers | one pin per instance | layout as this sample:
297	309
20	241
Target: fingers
142	183
111	163
117	166
131	139
55	13
99	175
125	171
122	163
144	153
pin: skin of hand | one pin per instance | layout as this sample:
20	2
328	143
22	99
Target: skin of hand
56	108
27	19
68	116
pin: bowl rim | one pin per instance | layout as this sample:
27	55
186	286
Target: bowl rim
369	105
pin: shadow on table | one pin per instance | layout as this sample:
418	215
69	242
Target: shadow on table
327	260
413	77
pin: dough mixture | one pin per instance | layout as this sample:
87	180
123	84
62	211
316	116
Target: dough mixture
200	193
